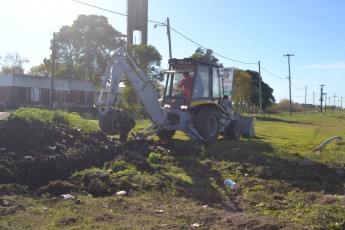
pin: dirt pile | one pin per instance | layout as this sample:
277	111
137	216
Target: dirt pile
32	153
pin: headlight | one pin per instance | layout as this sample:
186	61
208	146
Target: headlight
184	107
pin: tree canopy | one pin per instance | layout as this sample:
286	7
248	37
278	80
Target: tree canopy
12	63
266	91
85	47
205	54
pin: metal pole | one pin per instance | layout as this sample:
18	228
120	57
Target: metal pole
169	37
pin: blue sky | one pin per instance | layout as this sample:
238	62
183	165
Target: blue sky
243	30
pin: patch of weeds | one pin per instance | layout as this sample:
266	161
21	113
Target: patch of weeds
59	118
155	158
94	181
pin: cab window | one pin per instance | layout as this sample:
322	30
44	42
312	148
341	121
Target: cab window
202	81
215	83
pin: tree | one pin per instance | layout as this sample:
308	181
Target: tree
42	69
205	54
148	58
266	92
86	46
241	88
13	63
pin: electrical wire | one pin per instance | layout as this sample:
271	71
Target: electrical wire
271	73
296	86
184	36
114	12
247	63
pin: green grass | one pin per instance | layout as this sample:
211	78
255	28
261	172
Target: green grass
58	116
273	183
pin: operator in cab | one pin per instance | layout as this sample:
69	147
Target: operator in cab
186	85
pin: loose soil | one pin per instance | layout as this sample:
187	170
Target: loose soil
38	158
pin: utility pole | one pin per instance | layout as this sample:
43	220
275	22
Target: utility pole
169	37
321	97
313	98
85	87
341	102
334	99
305	101
168	32
289	55
260	93
53	69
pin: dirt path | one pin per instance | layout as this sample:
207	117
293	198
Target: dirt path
4	115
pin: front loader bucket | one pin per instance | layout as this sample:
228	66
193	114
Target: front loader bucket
247	126
115	121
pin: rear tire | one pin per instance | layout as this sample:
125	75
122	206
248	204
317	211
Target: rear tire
165	134
207	124
233	131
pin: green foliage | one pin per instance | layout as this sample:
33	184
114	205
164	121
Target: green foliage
185	186
241	90
58	116
148	58
118	166
155	158
84	48
205	54
266	91
12	63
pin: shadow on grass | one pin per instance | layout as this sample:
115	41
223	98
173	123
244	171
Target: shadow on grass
253	158
281	120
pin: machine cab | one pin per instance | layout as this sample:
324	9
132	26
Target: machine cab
190	82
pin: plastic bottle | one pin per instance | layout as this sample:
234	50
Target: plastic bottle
231	184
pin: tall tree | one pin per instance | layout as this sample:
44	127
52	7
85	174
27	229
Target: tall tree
85	47
13	63
266	91
241	88
147	57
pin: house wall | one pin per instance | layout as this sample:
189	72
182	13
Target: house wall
17	89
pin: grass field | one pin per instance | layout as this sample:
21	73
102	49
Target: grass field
285	184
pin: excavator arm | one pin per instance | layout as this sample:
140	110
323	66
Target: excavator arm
122	64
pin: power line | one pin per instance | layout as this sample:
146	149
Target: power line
271	73
247	63
114	12
251	63
296	86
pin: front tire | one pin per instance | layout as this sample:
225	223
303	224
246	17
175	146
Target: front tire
207	124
